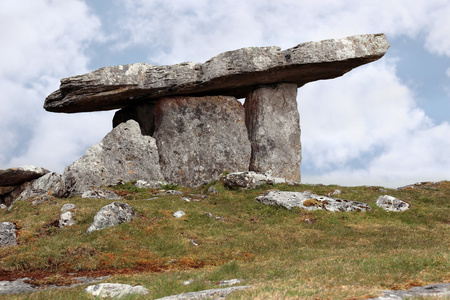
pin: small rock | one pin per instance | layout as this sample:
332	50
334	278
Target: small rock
249	180
229	282
334	193
179	214
186	199
153	184
7	234
3	206
18	286
219	219
389	203
208	214
173	192
188	282
98	193
67	207
115	290
213	190
309	201
39	200
111	215
206	294
66	219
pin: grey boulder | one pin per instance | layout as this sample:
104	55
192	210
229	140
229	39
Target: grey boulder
111	215
123	155
233	73
309	201
389	203
115	290
19	175
249	180
7	234
99	193
200	137
66	219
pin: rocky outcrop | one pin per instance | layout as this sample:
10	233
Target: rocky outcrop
249	180
207	294
273	124
7	234
19	175
232	73
389	203
200	137
123	155
432	291
115	290
309	201
111	215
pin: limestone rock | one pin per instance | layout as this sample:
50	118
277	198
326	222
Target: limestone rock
439	290
19	175
115	290
18	286
309	201
200	137
154	184
249	180
99	193
7	234
206	294
389	203
233	73
111	215
68	207
178	214
50	184
273	124
123	155
66	219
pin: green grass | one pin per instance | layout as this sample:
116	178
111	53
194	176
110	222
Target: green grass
340	256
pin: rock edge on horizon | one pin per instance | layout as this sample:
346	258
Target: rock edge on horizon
233	73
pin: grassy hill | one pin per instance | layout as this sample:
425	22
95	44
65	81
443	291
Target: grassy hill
283	254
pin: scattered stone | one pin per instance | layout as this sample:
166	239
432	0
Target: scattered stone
173	192
186	199
188	282
111	215
99	193
389	203
153	184
309	201
200	137
220	219
334	193
179	214
115	290
229	282
41	199
19	175
249	180
123	155
66	219
67	207
233	73
441	290
212	190
193	242
208	214
206	294
7	234
273	124
3	206
18	286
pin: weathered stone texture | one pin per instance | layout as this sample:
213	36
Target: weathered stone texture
249	180
389	203
123	155
7	234
19	175
111	215
273	125
200	137
141	113
232	73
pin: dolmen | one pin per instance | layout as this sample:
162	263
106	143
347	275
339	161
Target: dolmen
182	124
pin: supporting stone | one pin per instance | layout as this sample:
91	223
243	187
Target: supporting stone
273	125
141	113
200	137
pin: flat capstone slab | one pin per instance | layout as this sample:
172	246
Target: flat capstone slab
233	73
17	176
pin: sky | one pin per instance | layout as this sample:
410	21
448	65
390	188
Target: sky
386	123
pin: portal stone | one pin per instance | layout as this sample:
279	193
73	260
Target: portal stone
273	125
200	137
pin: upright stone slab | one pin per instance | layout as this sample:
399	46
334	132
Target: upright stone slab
273	125
123	155
200	137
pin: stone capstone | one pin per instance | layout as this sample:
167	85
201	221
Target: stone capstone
389	203
309	201
19	175
115	290
7	234
111	215
199	138
123	155
233	73
249	180
273	124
